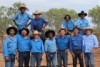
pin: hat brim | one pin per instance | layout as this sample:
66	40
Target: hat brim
23	7
24	29
36	13
8	30
89	29
79	14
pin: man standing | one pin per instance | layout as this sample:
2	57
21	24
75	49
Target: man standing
22	18
39	24
23	47
82	23
91	43
62	46
77	48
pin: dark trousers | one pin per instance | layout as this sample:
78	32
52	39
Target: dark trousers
24	58
62	57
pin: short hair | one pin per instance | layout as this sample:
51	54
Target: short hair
68	16
76	28
9	28
62	29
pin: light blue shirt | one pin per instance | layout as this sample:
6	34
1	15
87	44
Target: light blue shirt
50	45
23	43
21	19
90	42
9	46
82	23
37	46
69	25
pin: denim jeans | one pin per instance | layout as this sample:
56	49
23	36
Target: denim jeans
62	57
24	58
36	58
89	59
11	61
51	59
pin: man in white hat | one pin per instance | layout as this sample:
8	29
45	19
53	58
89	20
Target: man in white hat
82	23
90	42
22	18
39	23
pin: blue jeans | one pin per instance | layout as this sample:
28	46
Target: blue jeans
89	59
62	57
51	59
11	61
36	58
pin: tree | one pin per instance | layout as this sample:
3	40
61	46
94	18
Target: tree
94	13
56	16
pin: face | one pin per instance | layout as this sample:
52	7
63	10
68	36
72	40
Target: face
76	31
24	32
67	18
88	32
36	36
82	16
50	35
37	15
12	32
62	32
22	10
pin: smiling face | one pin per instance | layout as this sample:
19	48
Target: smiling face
62	33
88	32
50	35
82	16
37	15
36	36
22	9
76	31
67	17
23	32
12	32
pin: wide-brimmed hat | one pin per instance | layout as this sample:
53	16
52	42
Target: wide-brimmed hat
37	12
48	32
36	32
22	6
9	28
82	13
24	29
89	28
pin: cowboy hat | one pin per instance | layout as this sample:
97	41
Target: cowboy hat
48	32
36	32
82	13
25	30
37	12
9	28
88	28
22	6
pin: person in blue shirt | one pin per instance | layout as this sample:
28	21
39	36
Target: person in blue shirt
10	47
91	44
22	18
39	24
62	48
23	47
37	49
68	24
82	23
77	48
50	48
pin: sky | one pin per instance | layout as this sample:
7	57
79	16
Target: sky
45	5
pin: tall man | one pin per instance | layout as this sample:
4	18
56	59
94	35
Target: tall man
82	23
23	47
77	48
91	43
62	46
39	24
22	18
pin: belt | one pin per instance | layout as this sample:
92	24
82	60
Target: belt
51	52
25	52
61	50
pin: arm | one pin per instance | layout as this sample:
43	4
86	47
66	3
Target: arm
15	18
30	18
70	45
95	42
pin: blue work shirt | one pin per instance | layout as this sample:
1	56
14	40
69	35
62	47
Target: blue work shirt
50	45
37	24
76	42
9	46
23	43
82	23
62	43
69	25
90	42
37	46
22	19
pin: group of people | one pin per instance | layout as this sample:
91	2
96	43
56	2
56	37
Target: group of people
78	39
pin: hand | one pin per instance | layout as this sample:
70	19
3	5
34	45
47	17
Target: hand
7	59
81	56
66	51
16	57
73	55
93	51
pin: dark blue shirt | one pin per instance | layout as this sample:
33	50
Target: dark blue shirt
76	42
62	43
37	24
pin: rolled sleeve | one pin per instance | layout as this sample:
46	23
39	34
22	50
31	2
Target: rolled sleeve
95	42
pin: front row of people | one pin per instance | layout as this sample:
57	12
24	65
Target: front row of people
20	45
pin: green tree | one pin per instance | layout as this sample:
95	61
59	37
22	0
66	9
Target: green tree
56	16
94	13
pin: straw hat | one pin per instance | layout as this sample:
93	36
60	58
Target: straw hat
22	6
36	32
89	28
37	12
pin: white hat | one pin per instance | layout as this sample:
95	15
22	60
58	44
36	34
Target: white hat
37	12
36	32
89	28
